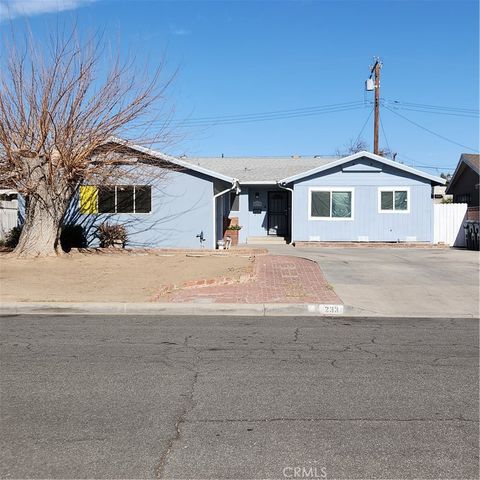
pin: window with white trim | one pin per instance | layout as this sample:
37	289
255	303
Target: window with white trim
331	203
394	200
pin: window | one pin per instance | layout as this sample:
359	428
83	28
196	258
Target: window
116	199
394	200
328	203
234	202
106	200
463	198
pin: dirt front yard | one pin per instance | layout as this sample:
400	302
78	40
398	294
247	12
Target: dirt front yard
108	277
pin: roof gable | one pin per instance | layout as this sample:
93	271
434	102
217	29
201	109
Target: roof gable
467	160
364	154
361	167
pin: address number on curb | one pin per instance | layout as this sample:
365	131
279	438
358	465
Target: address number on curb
326	309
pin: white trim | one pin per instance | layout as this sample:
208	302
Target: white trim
371	156
331	189
393	189
259	182
235	187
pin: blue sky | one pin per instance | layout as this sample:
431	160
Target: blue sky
245	57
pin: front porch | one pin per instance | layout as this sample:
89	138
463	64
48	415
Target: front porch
264	213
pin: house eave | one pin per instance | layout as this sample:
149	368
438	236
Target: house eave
173	160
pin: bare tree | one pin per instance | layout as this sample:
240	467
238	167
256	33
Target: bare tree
58	108
353	146
359	145
387	153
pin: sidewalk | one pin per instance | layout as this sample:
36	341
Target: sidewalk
276	279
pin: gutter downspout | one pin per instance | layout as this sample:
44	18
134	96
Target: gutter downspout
235	186
292	224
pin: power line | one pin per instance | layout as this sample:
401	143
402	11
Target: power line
432	109
436	107
384	135
435	112
430	131
275	112
364	125
226	120
321	109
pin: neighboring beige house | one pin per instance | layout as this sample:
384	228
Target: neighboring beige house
439	194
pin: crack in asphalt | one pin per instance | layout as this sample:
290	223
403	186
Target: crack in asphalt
372	342
179	420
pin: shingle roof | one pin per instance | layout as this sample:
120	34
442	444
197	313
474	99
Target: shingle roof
168	158
287	169
260	169
472	160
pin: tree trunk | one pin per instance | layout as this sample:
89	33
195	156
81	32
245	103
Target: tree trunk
44	212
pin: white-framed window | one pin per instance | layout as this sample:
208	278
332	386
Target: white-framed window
394	200
331	203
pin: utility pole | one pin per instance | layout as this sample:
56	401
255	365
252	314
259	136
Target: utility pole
376	72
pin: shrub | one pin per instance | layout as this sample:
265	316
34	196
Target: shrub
73	236
13	236
111	235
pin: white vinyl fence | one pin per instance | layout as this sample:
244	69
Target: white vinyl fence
8	220
448	221
8	211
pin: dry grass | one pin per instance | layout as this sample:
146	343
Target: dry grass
112	277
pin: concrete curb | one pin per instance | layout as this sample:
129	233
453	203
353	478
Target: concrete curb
213	309
260	309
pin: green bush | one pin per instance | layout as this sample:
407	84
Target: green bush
111	235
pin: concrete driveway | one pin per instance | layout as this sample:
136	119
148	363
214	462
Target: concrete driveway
399	282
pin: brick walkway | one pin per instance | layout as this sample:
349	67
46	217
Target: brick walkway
277	279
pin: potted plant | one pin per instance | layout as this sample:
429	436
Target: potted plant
232	232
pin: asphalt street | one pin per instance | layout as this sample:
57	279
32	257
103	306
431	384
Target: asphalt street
238	397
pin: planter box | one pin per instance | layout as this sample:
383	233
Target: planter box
233	234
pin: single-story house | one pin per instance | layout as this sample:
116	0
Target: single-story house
183	202
465	183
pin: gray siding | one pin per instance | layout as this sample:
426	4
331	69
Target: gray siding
367	222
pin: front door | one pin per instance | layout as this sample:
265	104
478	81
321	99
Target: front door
278	213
